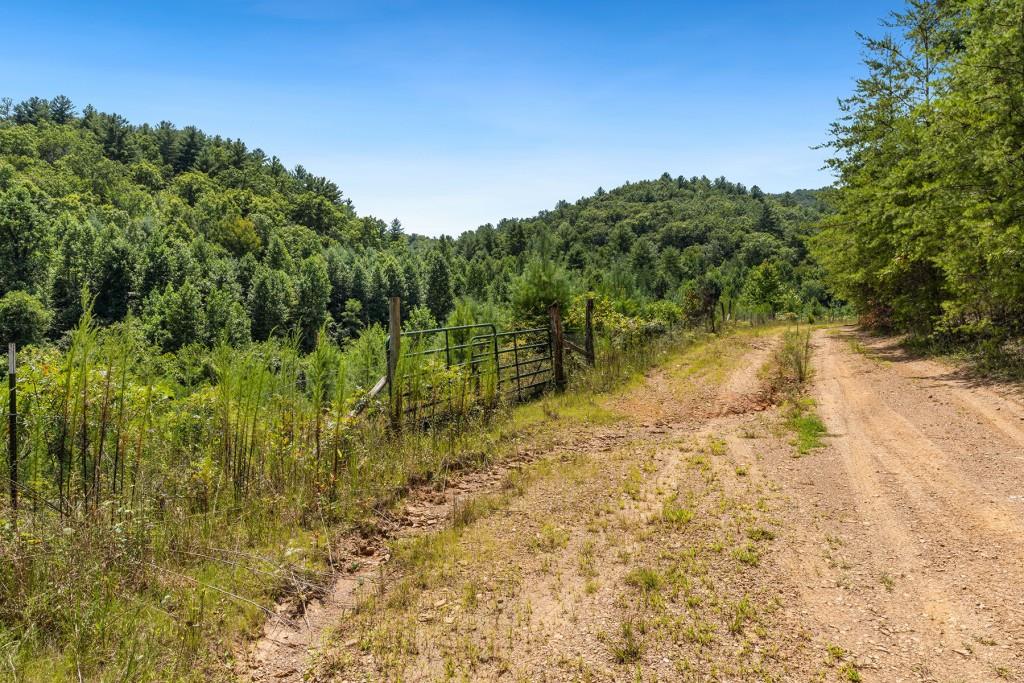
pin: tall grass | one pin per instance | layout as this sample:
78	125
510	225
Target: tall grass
792	363
792	371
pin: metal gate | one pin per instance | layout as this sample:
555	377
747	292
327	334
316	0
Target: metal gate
450	369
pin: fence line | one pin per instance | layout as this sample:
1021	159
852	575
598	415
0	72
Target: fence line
480	352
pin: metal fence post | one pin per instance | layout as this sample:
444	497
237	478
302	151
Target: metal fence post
588	338
557	345
12	415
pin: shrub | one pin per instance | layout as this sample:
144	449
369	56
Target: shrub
23	318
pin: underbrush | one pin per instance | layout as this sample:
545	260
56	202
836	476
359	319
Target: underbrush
991	356
791	367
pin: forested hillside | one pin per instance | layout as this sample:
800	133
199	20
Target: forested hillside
201	240
929	232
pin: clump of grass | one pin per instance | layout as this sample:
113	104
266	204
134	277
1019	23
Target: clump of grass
647	580
757	533
467	510
791	371
469	594
793	358
849	672
675	514
699	632
551	538
629	649
807	427
1003	672
835	652
747	554
587	565
743	611
634	483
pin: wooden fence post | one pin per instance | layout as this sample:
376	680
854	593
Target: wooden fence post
394	345
12	414
557	346
588	333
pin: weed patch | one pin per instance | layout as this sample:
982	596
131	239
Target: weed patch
628	649
807	427
674	514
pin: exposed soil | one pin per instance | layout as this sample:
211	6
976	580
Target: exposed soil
908	541
688	540
286	649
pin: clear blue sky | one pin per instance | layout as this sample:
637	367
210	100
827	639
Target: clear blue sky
452	114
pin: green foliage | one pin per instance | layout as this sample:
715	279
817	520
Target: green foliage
271	302
764	288
543	282
314	294
806	426
24	241
23	319
182	319
420	318
88	200
927	233
440	295
700	298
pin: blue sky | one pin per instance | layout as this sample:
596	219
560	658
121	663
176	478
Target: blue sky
451	114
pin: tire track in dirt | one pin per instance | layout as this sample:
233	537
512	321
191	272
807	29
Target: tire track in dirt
1000	405
605	505
903	553
285	648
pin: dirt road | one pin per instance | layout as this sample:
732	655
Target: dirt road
908	538
672	531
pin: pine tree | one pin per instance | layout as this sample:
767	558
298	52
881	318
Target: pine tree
413	295
116	275
61	109
439	295
278	257
395	231
314	294
191	144
184	320
25	242
392	278
271	303
167	140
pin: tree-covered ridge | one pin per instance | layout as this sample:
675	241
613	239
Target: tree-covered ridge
675	238
929	232
201	240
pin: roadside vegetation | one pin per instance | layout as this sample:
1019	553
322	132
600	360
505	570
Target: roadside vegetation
927	230
789	373
163	513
